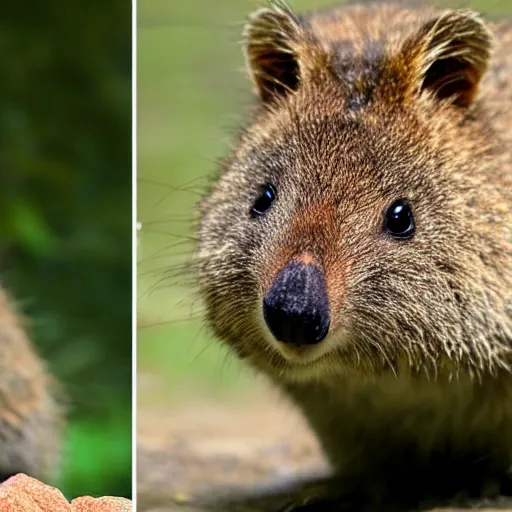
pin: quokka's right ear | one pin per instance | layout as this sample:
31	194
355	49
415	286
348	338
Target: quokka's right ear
272	38
449	56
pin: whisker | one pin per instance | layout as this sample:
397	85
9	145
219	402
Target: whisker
172	246
171	257
161	269
173	234
167	322
207	346
171	219
169	283
150	181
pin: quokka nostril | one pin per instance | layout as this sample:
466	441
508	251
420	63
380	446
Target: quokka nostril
296	307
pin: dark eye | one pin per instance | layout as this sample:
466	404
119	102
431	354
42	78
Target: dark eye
399	220
264	200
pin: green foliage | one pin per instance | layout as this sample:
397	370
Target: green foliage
65	216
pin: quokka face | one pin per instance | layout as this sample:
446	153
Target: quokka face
362	222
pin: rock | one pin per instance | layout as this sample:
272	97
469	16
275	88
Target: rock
105	504
22	493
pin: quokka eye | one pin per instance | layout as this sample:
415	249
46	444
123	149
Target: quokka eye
399	220
264	200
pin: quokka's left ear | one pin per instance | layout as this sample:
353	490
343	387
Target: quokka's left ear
449	56
272	36
281	53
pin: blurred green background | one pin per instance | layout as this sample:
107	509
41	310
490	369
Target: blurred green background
65	221
192	94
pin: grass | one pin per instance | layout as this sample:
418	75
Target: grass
186	96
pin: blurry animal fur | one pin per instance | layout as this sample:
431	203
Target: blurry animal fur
31	419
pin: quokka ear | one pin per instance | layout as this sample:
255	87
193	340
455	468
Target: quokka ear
451	54
271	39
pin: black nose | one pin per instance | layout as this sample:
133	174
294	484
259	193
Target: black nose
296	307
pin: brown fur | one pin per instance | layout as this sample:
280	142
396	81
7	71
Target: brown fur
31	420
414	379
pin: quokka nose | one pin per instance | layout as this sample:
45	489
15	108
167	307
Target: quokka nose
296	307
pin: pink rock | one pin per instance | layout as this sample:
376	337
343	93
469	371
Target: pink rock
22	493
105	504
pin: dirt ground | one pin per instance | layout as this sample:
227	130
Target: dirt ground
198	454
228	457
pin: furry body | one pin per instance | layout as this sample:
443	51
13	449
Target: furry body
31	419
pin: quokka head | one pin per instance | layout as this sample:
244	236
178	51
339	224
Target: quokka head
343	233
